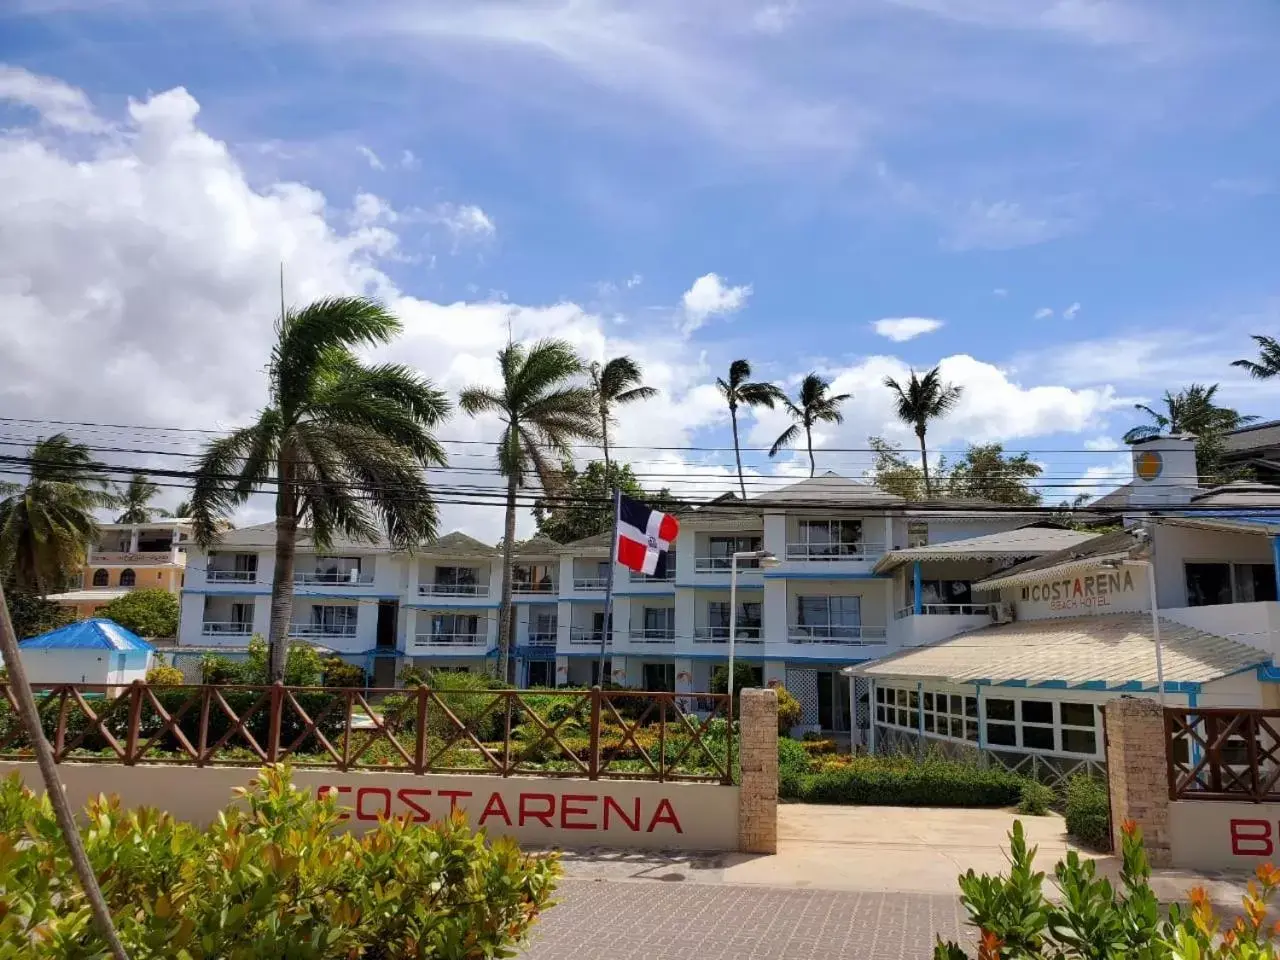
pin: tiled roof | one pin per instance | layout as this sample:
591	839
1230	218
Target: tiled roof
1108	649
264	535
1121	543
829	488
1022	542
457	545
537	547
100	595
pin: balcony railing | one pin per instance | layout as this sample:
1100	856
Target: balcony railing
139	558
836	633
668	576
322	630
584	636
747	633
545	638
347	578
451	640
231	576
722	564
218	628
945	610
453	589
859	550
590	583
653	636
528	586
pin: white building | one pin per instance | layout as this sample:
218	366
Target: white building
1078	628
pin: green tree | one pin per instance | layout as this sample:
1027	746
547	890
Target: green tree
33	615
1268	363
986	472
581	506
342	444
740	391
46	523
894	473
148	613
813	405
616	384
920	400
1195	410
135	497
543	411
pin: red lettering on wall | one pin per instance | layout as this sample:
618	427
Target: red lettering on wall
324	791
494	808
1251	838
406	796
453	796
527	813
634	824
570	807
383	792
664	814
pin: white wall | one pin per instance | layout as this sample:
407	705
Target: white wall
84	666
1175	546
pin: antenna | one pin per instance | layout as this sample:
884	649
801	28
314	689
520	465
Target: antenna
282	291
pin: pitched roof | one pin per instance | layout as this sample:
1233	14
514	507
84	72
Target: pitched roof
1255	436
538	546
1119	544
598	543
100	595
1108	649
1026	541
95	634
829	489
1240	493
264	535
457	544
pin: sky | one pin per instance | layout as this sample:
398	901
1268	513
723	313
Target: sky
1071	205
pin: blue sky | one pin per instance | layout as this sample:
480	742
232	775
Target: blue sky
1084	195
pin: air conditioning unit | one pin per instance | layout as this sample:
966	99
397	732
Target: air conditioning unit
1002	613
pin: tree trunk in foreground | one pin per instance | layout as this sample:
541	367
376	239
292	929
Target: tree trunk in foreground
506	662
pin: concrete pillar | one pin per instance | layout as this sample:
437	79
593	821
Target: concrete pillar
775	534
410	629
562	671
1137	774
774	620
775	671
262	616
684	675
758	751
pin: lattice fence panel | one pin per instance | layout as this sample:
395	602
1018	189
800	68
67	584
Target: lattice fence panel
803	685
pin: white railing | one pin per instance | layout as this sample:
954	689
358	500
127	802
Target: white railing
348	578
860	550
835	633
590	583
722	564
653	636
667	577
945	610
225	629
322	630
451	640
453	589
584	636
528	586
746	634
231	576
542	639
139	557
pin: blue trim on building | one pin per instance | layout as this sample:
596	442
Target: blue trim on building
228	591
1268	673
917	589
1275	559
830	575
539	602
720	585
1052	685
447	605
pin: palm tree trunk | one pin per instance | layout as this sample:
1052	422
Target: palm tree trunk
808	440
924	465
737	454
282	578
506	638
52	786
604	435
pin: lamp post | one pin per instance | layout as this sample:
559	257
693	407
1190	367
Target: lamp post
1155	615
766	560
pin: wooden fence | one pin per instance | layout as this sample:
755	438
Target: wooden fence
1223	753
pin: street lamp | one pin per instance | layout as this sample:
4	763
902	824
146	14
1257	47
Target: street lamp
765	560
1155	614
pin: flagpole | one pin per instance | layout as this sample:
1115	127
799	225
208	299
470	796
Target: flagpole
607	633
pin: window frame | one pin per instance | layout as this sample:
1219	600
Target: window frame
1233	567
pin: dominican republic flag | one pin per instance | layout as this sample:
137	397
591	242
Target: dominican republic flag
644	537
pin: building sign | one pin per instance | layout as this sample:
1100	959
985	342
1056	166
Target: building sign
1082	592
1223	835
1148	465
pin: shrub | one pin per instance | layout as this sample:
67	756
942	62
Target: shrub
789	709
336	672
898	781
271	878
148	613
1096	919
1036	799
163	675
1088	811
793	764
818	747
33	615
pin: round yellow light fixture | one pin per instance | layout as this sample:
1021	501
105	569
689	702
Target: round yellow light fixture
1148	465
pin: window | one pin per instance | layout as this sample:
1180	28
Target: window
532	578
1253	581
539	674
722	549
335	570
128	578
1037	724
544	626
946	592
748	618
828	616
917	534
1079	728
458	579
659	621
334	619
831	538
454	627
100	578
1213	583
1002	730
660	677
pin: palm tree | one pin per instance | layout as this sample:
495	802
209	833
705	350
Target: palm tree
343	444
740	390
1192	410
543	412
616	384
1268	363
815	406
183	509
135	497
46	523
923	399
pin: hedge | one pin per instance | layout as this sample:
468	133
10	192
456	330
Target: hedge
895	781
1088	811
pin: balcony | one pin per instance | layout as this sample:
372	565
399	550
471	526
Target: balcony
587	637
322	630
747	633
590	583
453	590
545	638
543	588
945	610
217	628
341	578
722	564
669	576
231	576
451	640
658	636
837	633
140	558
859	550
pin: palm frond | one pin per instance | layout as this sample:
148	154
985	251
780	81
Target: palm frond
227	473
477	400
785	439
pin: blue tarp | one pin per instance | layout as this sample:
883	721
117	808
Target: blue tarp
95	634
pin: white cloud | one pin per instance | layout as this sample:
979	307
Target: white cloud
374	160
58	104
999	292
1005	225
1102	443
710	297
464	221
1071	311
1044	313
901	329
408	161
774	18
634	281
